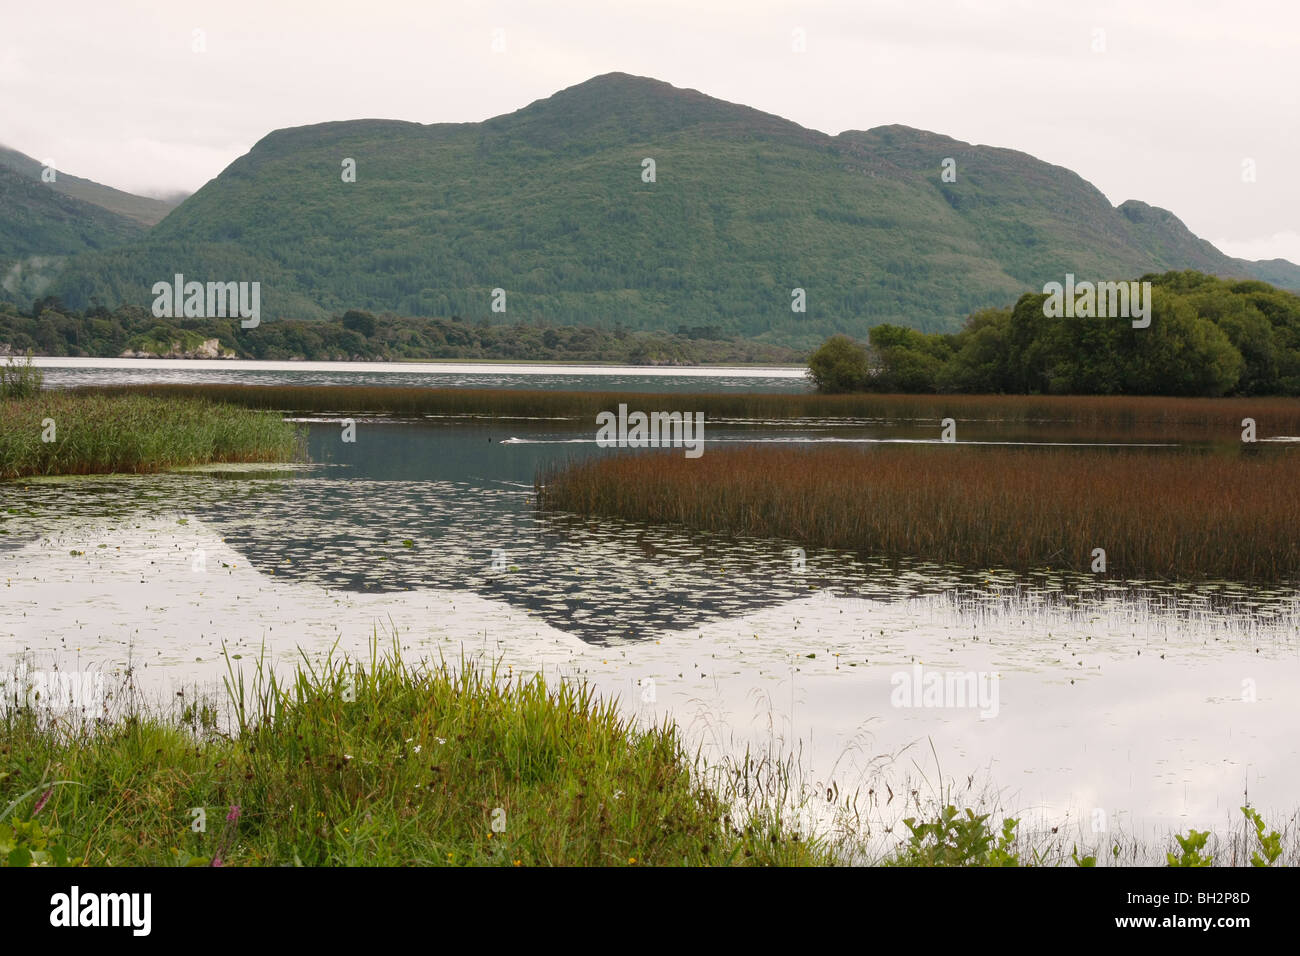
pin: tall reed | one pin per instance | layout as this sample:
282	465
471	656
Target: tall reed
1173	417
1155	513
68	433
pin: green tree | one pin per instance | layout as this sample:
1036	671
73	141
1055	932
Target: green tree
980	362
1183	353
840	365
360	322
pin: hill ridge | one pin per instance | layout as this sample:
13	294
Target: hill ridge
554	204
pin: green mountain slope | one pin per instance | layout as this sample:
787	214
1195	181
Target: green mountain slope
549	204
139	209
39	226
1278	272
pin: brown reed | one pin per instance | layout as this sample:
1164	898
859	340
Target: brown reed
1097	416
1157	513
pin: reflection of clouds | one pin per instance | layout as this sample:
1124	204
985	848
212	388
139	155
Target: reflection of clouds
11	64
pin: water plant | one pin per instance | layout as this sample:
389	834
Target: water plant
1191	846
1082	417
957	838
342	762
20	379
1153	512
1270	841
63	433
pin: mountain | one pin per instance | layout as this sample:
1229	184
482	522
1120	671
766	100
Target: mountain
1279	272
140	209
39	226
41	222
549	204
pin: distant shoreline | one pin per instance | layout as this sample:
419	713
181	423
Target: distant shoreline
429	365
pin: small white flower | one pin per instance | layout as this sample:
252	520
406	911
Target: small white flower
417	748
441	740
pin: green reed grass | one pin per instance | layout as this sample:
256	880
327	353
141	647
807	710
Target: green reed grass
1137	417
383	765
99	434
1156	513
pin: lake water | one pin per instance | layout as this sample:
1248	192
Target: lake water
1116	709
68	372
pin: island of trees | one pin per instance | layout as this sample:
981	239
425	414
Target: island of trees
1207	337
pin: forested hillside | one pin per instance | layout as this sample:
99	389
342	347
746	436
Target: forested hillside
551	205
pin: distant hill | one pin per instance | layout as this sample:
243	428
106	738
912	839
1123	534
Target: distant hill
140	209
1278	272
40	226
41	223
549	204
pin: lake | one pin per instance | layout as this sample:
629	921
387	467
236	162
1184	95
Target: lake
69	372
1116	709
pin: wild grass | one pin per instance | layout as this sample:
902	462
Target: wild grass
68	433
381	764
1095	416
1156	513
390	765
20	378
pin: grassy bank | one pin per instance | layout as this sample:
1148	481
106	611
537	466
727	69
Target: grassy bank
388	765
71	433
1138	417
1156	513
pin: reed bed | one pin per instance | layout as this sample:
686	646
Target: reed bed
1156	513
1136	417
69	433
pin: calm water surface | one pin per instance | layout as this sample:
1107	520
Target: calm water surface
69	372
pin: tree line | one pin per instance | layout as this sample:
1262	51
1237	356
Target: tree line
1207	337
50	328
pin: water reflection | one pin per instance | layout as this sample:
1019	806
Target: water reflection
417	506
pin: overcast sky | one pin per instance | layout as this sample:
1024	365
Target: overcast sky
1158	100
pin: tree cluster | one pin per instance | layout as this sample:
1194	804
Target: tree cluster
1207	337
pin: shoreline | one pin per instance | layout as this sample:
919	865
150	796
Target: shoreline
424	366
